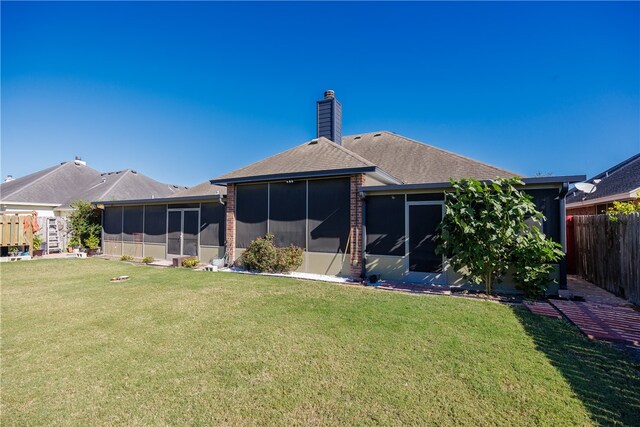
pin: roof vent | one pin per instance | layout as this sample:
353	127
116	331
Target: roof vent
357	137
9	178
135	172
313	141
377	134
78	161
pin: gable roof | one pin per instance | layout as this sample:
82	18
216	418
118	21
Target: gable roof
622	178
415	162
203	189
54	185
124	185
313	158
60	185
398	159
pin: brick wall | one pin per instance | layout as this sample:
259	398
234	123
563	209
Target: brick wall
357	181
230	224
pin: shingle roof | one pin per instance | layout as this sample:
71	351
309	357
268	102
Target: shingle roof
203	189
621	178
124	185
404	159
62	184
415	162
53	185
313	156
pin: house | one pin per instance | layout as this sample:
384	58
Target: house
359	204
51	191
620	183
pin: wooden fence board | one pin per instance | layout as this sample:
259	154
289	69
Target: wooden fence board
608	253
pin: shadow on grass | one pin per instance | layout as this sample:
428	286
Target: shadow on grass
606	380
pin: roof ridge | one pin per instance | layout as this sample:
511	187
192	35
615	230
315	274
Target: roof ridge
617	167
126	172
446	151
55	168
347	151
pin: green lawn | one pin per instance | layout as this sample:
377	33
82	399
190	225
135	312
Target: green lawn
174	346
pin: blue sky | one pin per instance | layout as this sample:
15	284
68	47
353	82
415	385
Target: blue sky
184	92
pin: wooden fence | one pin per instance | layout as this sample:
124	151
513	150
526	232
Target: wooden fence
607	253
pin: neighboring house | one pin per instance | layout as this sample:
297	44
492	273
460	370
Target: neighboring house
360	204
620	183
51	191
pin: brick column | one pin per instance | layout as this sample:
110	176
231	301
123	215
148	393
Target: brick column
357	181
230	225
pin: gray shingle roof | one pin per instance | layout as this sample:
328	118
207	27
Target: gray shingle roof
415	162
313	156
53	185
203	189
124	185
62	184
407	160
621	178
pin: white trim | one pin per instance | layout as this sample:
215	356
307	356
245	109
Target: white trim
53	205
633	194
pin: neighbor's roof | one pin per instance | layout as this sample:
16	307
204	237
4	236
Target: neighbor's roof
623	178
398	159
415	162
54	185
124	185
318	156
203	189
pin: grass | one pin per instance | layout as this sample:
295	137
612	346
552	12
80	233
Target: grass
175	346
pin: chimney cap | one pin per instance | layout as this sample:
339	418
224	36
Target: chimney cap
329	94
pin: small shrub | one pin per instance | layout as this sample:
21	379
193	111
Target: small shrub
37	242
147	260
92	242
126	258
190	262
289	259
264	257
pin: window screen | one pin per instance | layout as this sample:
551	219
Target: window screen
287	216
329	202
212	217
385	225
425	197
112	223
251	213
132	226
155	224
548	203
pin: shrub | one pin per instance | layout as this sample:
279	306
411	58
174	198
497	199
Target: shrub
126	258
92	242
190	262
37	242
84	222
485	232
264	257
147	260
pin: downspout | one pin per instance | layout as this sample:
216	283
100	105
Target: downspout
364	235
563	235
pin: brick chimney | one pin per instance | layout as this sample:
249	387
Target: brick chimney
329	117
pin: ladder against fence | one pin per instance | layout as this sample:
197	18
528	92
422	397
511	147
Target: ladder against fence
607	252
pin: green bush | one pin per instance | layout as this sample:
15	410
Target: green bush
264	257
126	258
190	262
37	242
147	260
92	242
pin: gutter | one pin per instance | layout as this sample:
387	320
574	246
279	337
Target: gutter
159	200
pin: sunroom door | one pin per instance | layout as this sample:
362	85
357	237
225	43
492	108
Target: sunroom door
422	263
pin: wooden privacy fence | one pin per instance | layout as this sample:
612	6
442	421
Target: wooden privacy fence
13	232
607	253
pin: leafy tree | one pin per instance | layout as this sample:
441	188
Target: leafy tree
489	227
623	208
84	222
